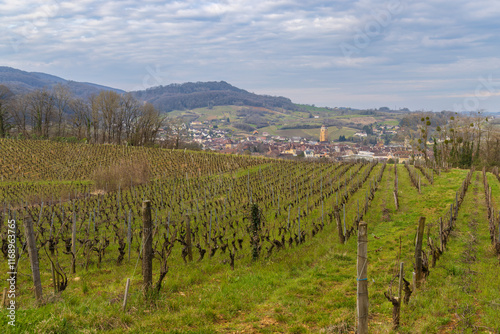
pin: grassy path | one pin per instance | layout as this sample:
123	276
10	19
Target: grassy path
461	293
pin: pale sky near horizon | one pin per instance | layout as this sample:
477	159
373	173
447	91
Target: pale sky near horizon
430	55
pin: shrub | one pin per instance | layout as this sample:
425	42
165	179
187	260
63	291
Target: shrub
122	174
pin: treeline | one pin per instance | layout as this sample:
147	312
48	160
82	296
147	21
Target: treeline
107	117
300	126
455	140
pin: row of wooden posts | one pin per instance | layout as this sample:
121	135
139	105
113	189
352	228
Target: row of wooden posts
362	278
147	265
414	177
362	262
493	220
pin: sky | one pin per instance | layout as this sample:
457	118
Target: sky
423	55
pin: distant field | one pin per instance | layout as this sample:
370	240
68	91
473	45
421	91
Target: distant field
391	122
333	133
292	118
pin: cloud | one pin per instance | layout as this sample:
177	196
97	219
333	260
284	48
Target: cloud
396	50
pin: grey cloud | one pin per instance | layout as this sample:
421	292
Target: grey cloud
278	45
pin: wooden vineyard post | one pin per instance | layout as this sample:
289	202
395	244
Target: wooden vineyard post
73	245
396	313
441	240
345	231
418	252
33	254
396	201
125	297
497	246
188	239
336	212
255	227
53	271
147	242
299	225
362	280
129	233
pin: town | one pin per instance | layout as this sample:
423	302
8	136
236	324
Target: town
221	140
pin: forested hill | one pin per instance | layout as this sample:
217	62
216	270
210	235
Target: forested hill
206	94
20	82
188	95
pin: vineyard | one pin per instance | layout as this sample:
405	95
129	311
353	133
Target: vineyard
244	244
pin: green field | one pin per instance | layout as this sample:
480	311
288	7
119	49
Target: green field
304	279
349	123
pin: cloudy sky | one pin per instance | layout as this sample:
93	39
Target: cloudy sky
429	54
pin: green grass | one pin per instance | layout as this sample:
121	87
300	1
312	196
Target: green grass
308	288
461	292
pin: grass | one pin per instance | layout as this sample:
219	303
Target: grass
461	291
308	288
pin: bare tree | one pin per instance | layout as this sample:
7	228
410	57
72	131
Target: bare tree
424	134
81	118
62	98
41	109
177	132
148	125
6	97
131	109
95	117
19	111
108	104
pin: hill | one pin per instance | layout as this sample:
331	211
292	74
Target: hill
20	82
175	96
193	95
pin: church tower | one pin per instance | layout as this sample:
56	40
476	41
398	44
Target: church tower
322	134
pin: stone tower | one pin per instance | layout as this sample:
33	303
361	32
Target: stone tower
322	134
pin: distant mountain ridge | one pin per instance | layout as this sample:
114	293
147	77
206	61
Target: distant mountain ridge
188	95
20	81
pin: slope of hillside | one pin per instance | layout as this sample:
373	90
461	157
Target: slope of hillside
184	96
21	82
207	94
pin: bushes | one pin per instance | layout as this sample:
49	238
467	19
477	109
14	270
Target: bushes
244	127
122	174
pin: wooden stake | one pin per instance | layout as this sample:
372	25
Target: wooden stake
33	254
147	242
336	213
299	226
343	206
441	234
53	271
129	233
73	245
362	280
401	277
188	239
125	297
418	252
